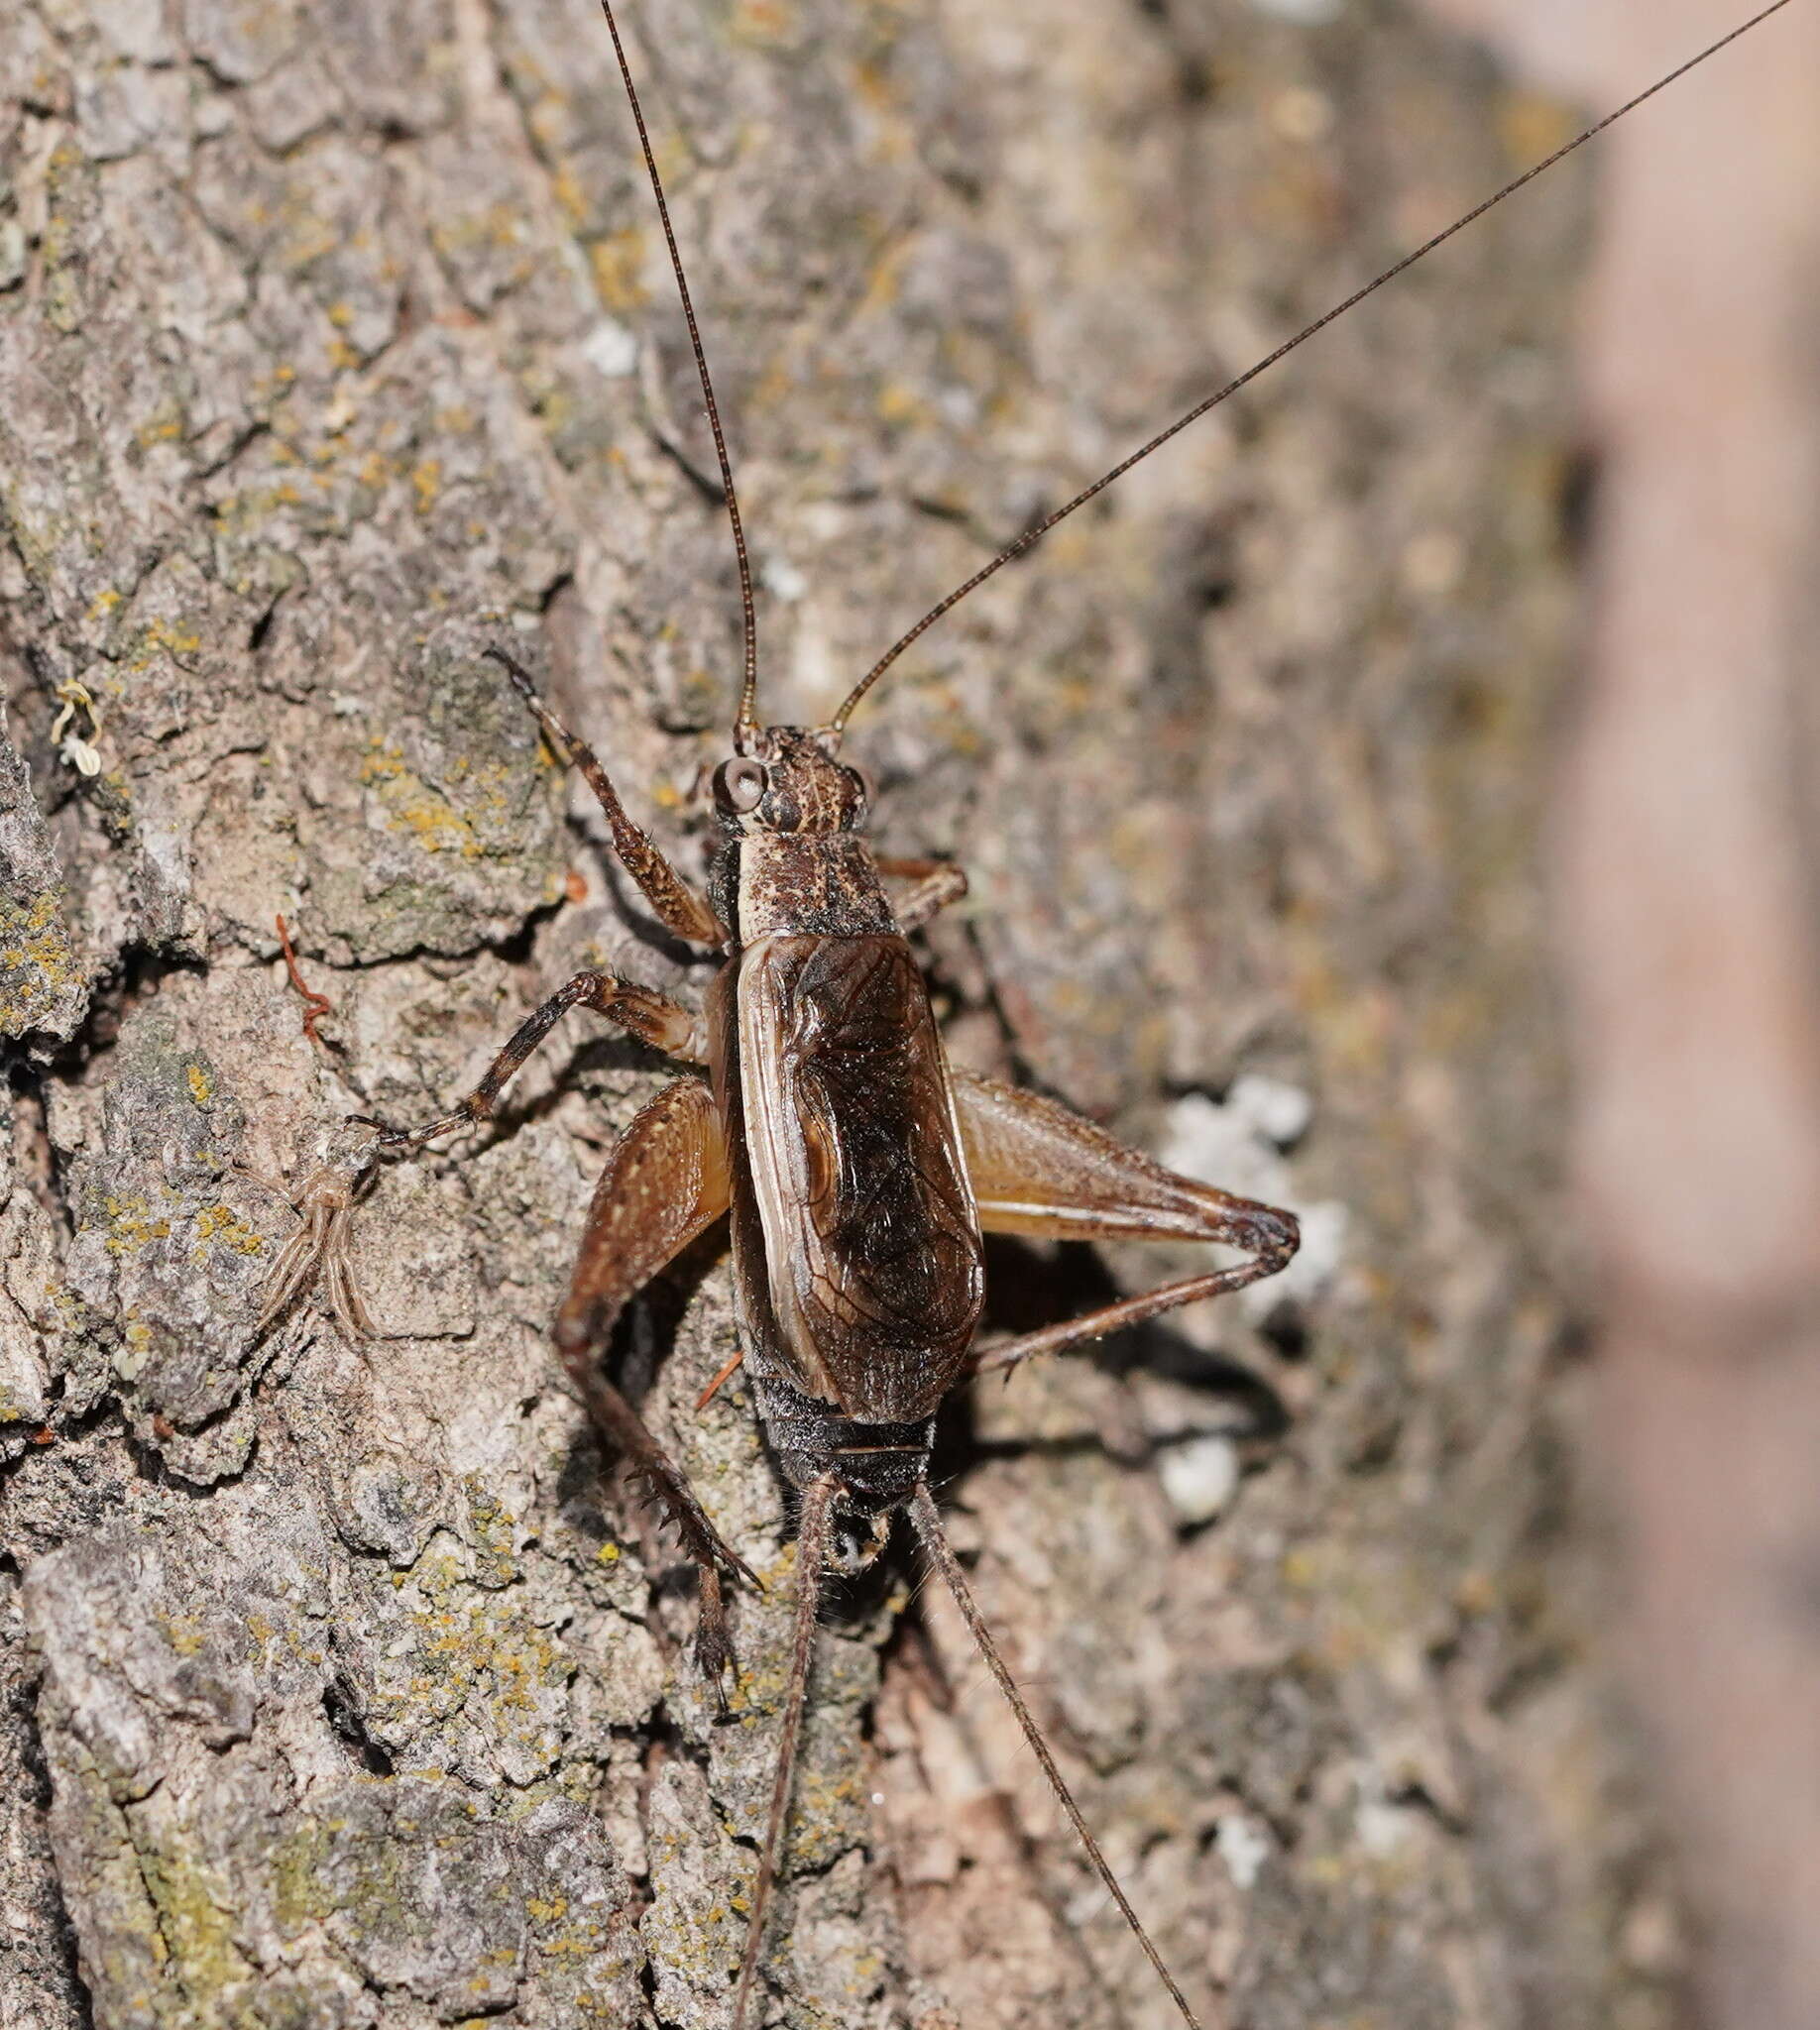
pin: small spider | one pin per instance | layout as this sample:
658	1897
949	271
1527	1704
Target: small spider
317	1256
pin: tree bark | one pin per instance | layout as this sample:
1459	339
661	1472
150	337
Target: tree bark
1688	869
347	1687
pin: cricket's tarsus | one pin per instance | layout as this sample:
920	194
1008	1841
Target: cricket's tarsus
858	1170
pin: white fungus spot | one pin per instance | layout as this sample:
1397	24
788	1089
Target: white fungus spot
1243	1847
1383	1828
611	350
1279	1111
1199	1476
1217	1145
782	579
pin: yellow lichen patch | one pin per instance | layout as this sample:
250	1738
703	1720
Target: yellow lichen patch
200	1090
37	960
873	81
1531	126
103	604
412	807
569	193
763	22
898	403
160	637
305	235
220	1223
184	1633
498	227
1476	1594
493	1525
426	480
884	281
133	1225
163	429
618	268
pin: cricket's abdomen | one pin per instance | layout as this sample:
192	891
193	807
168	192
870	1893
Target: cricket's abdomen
872	1262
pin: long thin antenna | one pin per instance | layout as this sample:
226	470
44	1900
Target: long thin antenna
1213	400
928	1523
746	722
811	1556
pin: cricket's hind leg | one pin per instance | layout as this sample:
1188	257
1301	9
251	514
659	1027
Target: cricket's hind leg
668	1181
1040	1170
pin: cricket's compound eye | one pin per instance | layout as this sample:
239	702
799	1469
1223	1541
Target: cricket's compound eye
738	785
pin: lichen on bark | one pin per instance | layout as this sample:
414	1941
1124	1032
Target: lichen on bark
349	1687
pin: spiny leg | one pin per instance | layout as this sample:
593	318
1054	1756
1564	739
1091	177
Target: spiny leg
668	1180
646	1014
679	908
1041	1170
938	883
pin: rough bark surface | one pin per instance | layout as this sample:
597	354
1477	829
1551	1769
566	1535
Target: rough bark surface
346	1686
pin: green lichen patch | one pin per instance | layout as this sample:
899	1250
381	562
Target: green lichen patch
416	1886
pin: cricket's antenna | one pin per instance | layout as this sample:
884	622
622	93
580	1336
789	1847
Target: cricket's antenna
927	1524
1034	535
811	1556
746	722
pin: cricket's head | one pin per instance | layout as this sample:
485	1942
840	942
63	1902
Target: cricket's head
790	780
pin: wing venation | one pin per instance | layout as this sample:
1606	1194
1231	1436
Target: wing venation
872	1238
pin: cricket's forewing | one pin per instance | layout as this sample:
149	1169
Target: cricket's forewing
872	1240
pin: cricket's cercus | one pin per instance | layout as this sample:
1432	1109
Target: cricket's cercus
858	1169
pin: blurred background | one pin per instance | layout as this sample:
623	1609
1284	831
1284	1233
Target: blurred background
1683	864
1395	800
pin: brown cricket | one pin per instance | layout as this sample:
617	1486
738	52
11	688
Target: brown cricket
859	1169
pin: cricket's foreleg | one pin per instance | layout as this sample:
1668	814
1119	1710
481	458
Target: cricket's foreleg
668	1181
1041	1170
938	883
646	1014
679	908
